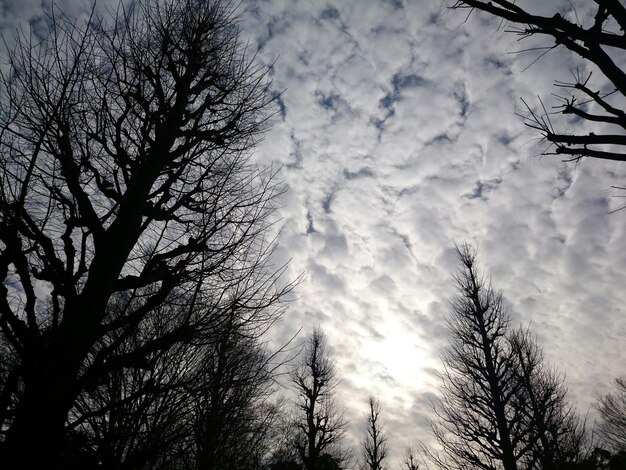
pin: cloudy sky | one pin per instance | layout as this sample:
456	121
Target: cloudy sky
397	135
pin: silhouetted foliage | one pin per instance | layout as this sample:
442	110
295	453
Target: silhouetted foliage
599	103
612	409
601	459
374	445
131	217
319	424
285	465
329	462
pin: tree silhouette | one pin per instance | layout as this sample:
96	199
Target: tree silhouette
612	409
556	437
319	424
233	411
411	461
502	407
600	104
374	445
477	423
207	405
128	203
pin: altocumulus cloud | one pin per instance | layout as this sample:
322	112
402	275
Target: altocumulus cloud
398	136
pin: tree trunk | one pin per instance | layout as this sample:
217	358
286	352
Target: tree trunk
508	455
36	438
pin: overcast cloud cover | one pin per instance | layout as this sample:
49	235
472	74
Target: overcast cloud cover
397	136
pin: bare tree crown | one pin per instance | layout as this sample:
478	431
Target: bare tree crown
131	216
598	101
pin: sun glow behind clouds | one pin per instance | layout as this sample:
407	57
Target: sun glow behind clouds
399	356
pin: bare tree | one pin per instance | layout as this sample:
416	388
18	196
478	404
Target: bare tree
411	460
124	179
612	409
208	405
234	412
477	424
502	407
284	454
319	425
133	420
600	103
374	445
556	437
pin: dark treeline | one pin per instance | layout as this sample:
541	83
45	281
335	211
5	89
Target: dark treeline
139	293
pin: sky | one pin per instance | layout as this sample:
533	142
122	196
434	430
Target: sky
397	135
